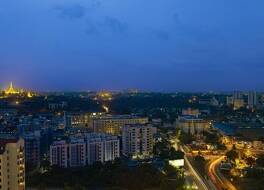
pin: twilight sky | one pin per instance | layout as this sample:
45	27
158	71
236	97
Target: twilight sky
157	45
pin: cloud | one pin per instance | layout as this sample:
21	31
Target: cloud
72	12
95	3
92	28
114	24
106	25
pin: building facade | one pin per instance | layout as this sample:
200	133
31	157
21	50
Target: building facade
59	154
102	148
85	150
192	125
113	124
190	111
32	149
78	120
137	140
252	99
12	164
77	153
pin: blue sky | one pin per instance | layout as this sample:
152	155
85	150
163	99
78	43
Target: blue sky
156	45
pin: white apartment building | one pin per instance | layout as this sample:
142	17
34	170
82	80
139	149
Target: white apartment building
77	153
85	150
59	154
138	140
102	147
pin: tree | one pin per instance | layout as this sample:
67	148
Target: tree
174	155
232	154
186	138
41	186
45	164
175	178
260	161
221	146
250	161
67	187
169	185
162	149
170	171
211	137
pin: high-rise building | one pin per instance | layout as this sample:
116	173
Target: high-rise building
12	164
252	99
77	153
32	149
229	100
102	148
59	154
237	100
67	121
237	95
137	140
113	124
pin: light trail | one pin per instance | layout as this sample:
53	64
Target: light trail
218	179
198	180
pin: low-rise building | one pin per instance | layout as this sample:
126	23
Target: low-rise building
78	120
191	112
191	124
113	124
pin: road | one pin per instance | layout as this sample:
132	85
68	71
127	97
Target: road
192	177
195	176
217	178
189	181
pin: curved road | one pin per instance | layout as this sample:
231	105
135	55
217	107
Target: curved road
218	179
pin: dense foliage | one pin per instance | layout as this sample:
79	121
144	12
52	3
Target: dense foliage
112	176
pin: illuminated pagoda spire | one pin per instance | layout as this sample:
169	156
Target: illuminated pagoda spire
11	89
29	95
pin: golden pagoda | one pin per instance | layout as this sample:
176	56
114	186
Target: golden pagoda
29	95
11	90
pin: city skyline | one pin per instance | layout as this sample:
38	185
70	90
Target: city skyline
131	95
12	88
92	45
